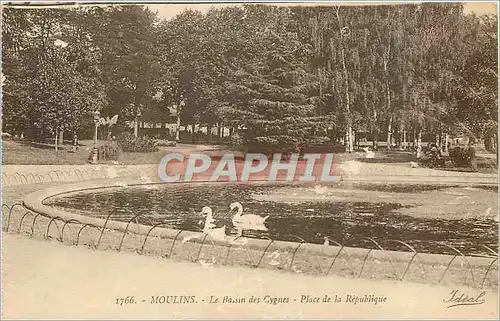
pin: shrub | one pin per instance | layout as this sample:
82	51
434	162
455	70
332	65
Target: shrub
129	143
327	147
459	157
110	151
107	151
236	141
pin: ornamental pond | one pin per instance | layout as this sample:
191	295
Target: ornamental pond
423	216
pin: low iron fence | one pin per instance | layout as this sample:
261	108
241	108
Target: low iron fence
456	268
68	175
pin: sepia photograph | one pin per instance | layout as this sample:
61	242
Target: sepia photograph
210	160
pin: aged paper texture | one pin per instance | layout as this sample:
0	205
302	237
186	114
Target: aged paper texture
250	161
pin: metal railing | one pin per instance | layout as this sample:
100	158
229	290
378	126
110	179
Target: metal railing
18	219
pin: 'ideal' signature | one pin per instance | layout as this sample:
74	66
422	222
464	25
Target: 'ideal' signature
459	298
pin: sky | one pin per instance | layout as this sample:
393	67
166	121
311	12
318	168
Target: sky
168	11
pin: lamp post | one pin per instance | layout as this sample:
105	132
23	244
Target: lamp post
95	152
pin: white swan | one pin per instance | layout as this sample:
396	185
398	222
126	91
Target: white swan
209	228
250	221
218	233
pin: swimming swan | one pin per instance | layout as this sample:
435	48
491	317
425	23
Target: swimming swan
249	220
209	228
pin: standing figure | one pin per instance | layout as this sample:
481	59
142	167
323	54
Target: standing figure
471	153
419	152
75	143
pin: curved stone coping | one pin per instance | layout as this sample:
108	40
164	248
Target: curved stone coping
35	203
415	179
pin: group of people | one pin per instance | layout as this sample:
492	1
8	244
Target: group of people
460	157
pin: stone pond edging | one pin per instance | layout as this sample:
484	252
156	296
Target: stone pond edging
35	202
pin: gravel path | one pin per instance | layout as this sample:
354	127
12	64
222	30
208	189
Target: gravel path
48	280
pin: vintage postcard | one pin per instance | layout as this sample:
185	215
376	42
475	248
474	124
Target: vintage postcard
326	160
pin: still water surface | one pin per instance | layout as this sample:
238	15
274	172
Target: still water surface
348	223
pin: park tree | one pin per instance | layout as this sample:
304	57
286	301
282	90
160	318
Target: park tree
330	31
224	43
477	85
442	41
63	95
15	90
344	64
199	51
182	65
280	76
125	38
386	46
55	83
273	92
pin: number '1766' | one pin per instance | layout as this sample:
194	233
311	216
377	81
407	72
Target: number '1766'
126	300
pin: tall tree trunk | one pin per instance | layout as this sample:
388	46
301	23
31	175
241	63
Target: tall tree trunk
193	134
209	132
496	144
399	136
389	133
178	125
61	137
419	144
440	135
372	137
56	140
404	138
163	130
349	147
446	142
388	96
487	142
136	126
320	82
391	117
415	139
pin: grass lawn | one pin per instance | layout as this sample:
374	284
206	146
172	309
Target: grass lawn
14	152
23	153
